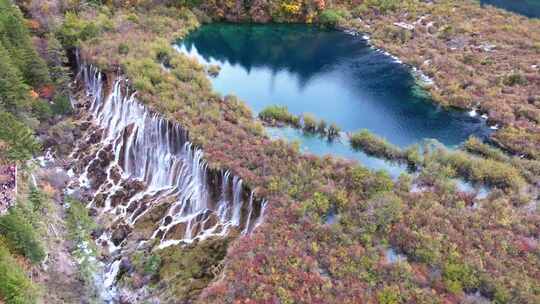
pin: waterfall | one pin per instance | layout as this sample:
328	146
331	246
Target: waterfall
156	152
111	273
261	216
250	212
237	201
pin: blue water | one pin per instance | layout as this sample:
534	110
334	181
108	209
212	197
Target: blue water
529	8
320	146
336	76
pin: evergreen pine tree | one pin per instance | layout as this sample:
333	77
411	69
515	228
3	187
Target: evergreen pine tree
58	65
20	139
16	40
14	94
35	198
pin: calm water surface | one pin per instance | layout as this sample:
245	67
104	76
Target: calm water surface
319	146
529	8
335	76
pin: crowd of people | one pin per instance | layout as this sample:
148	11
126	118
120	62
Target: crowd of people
8	184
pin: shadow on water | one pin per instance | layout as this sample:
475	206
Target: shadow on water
297	49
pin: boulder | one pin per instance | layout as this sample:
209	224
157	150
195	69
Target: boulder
126	266
120	234
96	233
93	212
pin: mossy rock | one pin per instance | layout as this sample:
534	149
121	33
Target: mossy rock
145	226
189	269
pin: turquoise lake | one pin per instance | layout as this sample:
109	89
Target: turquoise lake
335	76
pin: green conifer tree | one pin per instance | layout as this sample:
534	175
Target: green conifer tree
20	139
16	39
13	92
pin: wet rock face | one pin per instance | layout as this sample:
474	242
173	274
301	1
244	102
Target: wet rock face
167	220
126	267
119	197
177	231
125	299
95	137
97	176
83	146
133	206
149	222
85	125
211	221
133	187
116	174
96	233
137	208
93	212
98	166
105	156
99	200
120	234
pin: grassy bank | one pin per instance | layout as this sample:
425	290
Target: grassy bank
278	115
373	145
15	286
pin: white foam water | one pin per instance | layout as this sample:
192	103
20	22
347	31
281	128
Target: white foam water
157	153
169	170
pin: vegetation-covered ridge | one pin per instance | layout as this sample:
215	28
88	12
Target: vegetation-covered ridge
332	225
33	84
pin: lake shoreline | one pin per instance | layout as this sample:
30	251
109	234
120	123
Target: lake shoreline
354	85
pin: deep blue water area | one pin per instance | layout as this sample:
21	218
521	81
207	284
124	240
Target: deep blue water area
336	76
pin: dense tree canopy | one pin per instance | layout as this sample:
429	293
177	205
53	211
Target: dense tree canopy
16	40
25	83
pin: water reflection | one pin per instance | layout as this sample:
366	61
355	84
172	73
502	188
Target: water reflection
336	76
320	146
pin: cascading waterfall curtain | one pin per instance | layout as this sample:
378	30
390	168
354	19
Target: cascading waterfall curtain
157	152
